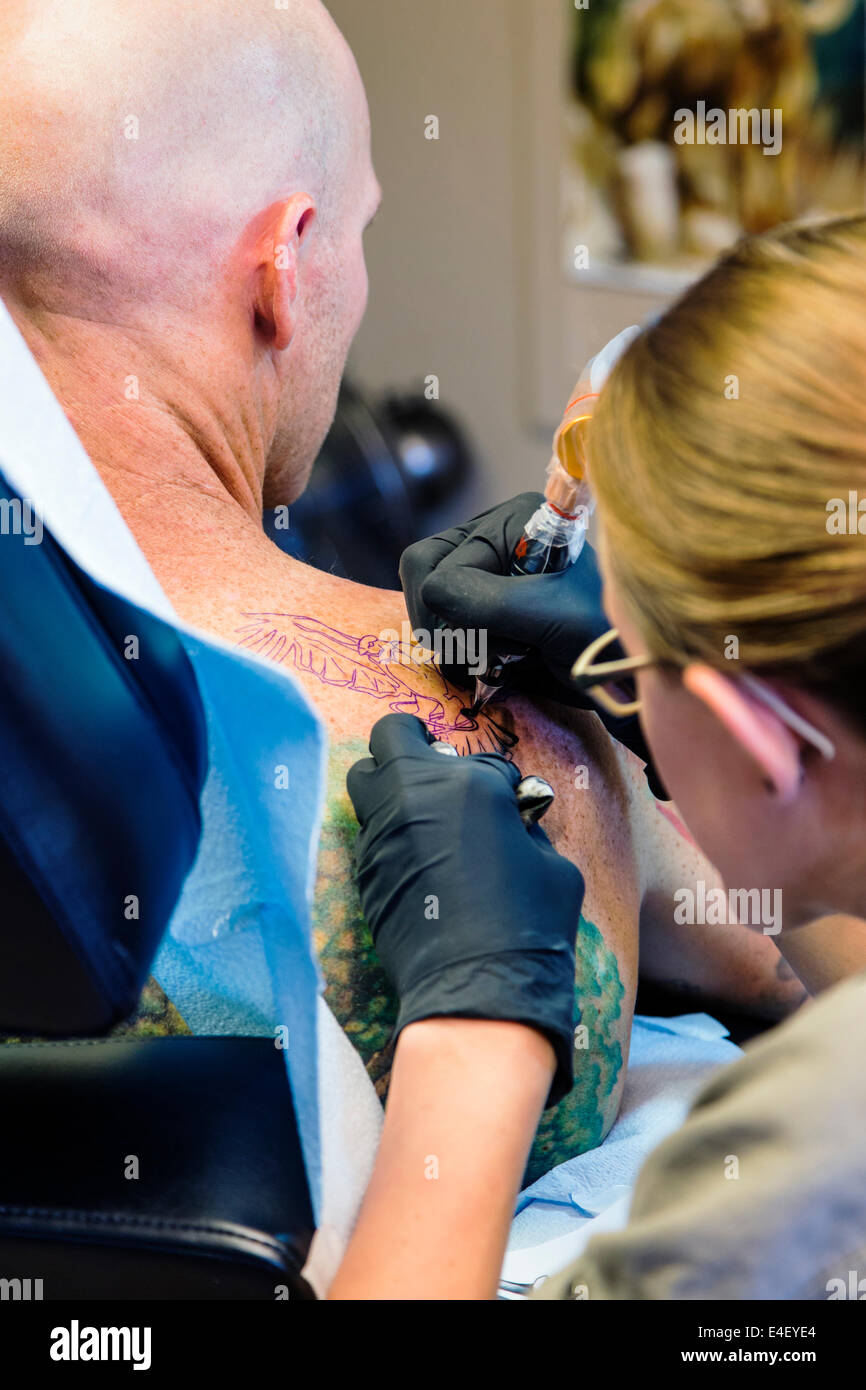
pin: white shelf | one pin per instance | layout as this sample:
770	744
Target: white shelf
639	277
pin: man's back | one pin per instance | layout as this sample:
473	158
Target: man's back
339	640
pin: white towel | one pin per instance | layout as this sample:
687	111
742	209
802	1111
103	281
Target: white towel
669	1061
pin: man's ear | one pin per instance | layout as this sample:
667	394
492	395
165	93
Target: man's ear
278	233
759	732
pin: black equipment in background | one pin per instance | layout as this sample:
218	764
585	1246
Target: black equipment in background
383	469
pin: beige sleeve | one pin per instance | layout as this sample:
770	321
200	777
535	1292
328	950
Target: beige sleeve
760	1194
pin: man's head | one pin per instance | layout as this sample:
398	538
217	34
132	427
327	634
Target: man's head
196	178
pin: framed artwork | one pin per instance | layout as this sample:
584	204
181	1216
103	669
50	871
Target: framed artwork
660	131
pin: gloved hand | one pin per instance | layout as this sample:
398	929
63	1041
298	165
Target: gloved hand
473	915
459	579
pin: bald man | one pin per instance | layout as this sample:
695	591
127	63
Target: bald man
183	198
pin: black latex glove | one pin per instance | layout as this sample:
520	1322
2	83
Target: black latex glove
473	915
459	579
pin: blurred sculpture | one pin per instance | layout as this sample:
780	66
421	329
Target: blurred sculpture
640	61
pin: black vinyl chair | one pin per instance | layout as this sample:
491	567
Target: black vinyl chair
166	1168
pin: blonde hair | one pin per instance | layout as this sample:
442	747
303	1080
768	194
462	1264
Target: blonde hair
722	437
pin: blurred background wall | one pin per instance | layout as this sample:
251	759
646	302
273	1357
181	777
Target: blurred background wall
464	255
555	141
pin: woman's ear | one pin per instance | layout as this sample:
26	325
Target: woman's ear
762	735
278	236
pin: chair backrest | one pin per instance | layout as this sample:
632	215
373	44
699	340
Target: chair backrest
102	760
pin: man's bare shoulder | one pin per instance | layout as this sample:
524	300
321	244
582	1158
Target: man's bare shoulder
352	649
360	669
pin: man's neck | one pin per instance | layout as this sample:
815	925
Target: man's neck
168	454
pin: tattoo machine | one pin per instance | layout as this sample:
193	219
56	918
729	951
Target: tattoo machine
534	795
555	534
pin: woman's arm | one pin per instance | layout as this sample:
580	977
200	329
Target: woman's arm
826	951
726	964
464	1103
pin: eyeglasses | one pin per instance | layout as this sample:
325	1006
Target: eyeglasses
612	685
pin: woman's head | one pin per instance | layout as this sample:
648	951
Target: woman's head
724	453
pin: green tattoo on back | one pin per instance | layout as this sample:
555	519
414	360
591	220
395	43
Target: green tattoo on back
361	998
357	989
582	1119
